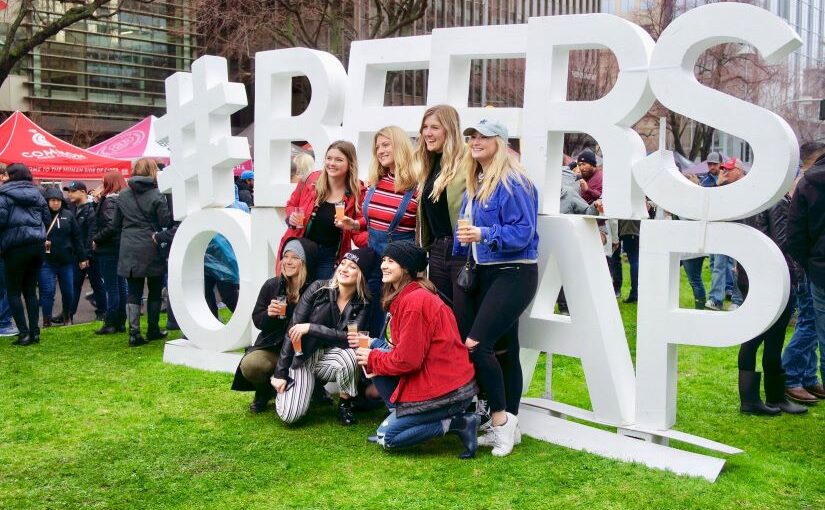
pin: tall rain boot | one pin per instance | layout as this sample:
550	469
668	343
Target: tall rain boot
153	331
751	402
133	314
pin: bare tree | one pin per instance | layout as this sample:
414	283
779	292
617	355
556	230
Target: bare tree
33	25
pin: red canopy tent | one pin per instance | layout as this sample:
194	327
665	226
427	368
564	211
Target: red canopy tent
48	157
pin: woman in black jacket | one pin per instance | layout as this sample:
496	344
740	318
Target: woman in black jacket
297	269
317	345
141	214
63	249
23	219
106	247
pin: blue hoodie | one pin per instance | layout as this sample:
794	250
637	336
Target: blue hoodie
220	262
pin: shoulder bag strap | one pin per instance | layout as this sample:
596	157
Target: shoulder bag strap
56	216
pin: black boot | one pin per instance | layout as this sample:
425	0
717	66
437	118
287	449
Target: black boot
22	339
699	304
108	325
465	426
133	313
47	322
55	320
171	322
67	318
345	414
120	321
775	394
153	331
261	400
751	403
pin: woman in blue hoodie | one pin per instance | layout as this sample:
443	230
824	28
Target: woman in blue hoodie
23	219
500	238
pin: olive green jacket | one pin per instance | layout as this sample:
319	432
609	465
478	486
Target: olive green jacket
455	192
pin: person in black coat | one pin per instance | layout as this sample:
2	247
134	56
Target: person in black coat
106	248
84	212
297	270
142	215
318	346
63	253
23	219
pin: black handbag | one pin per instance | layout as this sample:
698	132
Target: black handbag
467	278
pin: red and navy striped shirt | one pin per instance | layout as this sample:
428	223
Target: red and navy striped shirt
383	205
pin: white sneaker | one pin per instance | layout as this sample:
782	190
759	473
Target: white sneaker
710	304
505	436
489	437
732	307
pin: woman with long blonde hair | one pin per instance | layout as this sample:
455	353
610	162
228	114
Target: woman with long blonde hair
501	205
312	210
390	205
437	159
272	314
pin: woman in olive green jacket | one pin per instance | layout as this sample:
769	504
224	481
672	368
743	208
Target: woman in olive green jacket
437	160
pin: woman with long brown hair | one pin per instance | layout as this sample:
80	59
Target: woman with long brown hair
437	160
313	209
142	213
106	248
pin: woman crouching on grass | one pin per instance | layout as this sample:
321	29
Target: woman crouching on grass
272	313
317	345
436	381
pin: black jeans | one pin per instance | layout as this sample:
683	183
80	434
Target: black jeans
774	339
490	316
443	268
135	296
22	270
95	281
227	290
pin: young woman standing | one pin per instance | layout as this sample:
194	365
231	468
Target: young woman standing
502	205
312	207
437	159
435	376
390	206
317	339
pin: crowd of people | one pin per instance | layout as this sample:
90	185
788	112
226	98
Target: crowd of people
406	290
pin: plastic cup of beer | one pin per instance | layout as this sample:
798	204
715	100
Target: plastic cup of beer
464	221
298	217
339	211
281	302
296	344
352	327
364	339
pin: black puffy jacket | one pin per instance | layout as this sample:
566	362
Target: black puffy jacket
806	223
105	237
773	223
85	216
23	215
318	306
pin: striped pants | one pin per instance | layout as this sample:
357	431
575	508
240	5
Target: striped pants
331	364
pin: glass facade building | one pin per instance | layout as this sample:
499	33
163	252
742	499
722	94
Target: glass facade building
106	74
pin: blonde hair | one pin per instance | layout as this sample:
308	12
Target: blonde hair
145	167
402	153
360	285
303	165
296	283
452	152
322	187
502	168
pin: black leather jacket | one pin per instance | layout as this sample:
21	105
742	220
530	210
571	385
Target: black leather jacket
773	223
318	306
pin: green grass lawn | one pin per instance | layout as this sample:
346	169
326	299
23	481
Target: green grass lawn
86	422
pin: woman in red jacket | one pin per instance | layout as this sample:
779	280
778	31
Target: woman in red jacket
311	210
436	381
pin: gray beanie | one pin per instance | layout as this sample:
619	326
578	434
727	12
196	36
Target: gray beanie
295	246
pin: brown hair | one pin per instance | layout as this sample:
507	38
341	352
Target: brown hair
389	293
113	182
145	167
322	188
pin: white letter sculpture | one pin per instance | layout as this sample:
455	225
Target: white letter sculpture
640	405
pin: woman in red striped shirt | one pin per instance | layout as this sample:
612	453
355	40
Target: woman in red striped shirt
390	206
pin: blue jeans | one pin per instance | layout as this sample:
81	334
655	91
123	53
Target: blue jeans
799	358
95	282
693	270
413	429
722	267
326	262
115	288
5	311
64	274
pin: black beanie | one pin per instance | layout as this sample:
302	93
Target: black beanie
588	157
408	255
364	258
